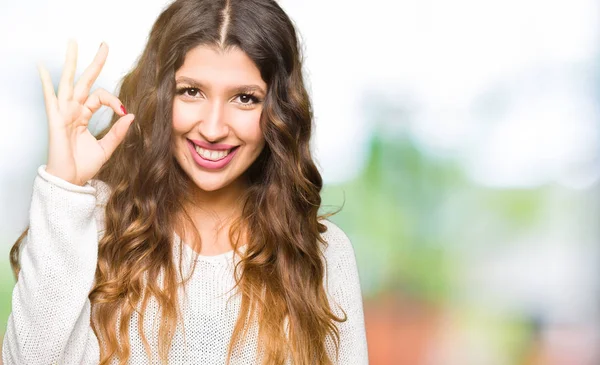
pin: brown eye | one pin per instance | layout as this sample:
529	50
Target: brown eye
188	91
192	91
247	99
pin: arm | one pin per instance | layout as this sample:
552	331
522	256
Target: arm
345	294
50	319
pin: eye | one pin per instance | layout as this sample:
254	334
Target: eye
247	99
189	91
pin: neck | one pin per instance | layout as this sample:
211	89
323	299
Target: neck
212	213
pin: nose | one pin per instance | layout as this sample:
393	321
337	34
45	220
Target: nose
213	126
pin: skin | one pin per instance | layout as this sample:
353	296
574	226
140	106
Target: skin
219	99
74	154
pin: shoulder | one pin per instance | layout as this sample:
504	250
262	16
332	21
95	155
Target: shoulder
341	271
338	252
336	238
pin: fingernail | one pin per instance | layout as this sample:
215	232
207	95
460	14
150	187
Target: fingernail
123	109
101	43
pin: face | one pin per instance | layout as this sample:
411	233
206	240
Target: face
216	114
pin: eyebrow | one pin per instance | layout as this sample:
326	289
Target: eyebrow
240	89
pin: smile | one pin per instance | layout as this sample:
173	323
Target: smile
212	155
211	159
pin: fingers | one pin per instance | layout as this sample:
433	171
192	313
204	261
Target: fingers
115	135
102	97
89	76
47	87
65	87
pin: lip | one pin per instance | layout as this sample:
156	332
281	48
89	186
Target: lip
208	164
212	146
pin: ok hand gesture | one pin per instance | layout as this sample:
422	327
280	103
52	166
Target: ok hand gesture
74	154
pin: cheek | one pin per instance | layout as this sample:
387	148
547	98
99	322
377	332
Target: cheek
247	127
183	117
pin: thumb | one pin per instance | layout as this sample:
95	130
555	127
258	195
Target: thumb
116	134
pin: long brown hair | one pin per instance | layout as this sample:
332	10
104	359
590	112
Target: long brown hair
280	273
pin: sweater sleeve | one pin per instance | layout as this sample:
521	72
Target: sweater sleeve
50	318
345	294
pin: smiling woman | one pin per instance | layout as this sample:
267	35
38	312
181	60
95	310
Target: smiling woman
192	234
219	100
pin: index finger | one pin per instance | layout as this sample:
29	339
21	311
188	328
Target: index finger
89	76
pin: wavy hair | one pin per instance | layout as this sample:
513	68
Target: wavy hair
280	275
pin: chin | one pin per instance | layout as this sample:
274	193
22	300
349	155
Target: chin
208	185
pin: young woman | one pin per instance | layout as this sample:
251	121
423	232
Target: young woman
190	233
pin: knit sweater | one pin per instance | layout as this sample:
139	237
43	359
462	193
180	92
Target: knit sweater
51	312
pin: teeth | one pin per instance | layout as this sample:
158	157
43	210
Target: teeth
211	154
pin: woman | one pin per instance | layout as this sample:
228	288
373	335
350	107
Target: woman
190	234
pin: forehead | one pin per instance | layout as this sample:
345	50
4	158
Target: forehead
220	67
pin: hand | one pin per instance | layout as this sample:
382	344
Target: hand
74	154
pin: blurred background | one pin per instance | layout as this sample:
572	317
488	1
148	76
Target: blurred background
460	138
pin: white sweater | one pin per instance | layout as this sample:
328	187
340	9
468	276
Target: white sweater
50	319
